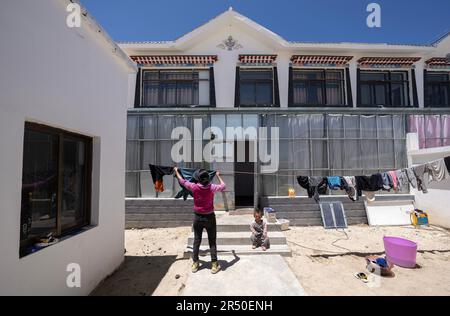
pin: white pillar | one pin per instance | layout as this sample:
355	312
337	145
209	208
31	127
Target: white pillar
353	67
420	66
283	62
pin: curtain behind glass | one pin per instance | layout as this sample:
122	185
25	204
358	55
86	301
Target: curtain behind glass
369	146
445	130
432	131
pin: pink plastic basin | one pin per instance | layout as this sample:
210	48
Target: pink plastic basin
401	252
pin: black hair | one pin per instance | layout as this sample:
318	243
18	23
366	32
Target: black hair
203	177
257	211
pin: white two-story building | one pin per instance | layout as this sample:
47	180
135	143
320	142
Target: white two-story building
341	108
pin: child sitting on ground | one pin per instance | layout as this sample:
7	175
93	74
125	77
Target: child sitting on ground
259	232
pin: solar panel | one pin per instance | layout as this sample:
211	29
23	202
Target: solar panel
333	215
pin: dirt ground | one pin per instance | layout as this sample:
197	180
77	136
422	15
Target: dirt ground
324	262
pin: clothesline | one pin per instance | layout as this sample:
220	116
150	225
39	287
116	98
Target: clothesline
436	170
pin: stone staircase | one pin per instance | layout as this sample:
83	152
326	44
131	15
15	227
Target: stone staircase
302	211
233	236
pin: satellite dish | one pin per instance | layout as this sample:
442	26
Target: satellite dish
447	58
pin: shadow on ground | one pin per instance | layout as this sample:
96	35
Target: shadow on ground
138	276
224	265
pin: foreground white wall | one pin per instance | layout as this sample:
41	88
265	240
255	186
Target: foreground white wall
437	201
67	78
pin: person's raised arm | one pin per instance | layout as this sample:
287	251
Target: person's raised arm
188	185
177	174
220	179
221	187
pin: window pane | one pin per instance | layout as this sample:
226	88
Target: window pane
256	74
151	75
150	93
308	74
398	76
438	95
73	207
373	76
334	93
168	91
264	94
300	94
185	93
366	95
334	75
178	75
315	93
380	94
39	184
440	77
247	92
399	96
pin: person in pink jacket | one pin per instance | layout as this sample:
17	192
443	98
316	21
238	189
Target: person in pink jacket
205	218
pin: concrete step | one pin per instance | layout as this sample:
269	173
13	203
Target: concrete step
305	222
327	198
231	223
239	238
317	214
242	250
157	224
158	202
312	207
158	210
159	217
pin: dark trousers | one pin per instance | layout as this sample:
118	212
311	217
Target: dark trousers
207	222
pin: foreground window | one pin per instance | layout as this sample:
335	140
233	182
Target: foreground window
167	88
437	89
55	184
387	88
318	87
256	87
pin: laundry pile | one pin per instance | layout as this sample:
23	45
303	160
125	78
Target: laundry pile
191	175
356	186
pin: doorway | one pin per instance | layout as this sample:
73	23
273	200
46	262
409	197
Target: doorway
244	176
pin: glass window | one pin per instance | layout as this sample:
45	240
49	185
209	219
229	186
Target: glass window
256	87
318	87
386	88
437	89
167	88
55	184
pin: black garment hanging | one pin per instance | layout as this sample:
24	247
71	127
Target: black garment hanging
190	175
447	163
370	184
158	174
314	186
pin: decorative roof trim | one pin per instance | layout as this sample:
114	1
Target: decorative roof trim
388	61
175	59
438	61
257	59
321	60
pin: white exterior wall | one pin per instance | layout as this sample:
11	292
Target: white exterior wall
70	79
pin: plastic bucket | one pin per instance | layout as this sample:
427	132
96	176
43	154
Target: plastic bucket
401	252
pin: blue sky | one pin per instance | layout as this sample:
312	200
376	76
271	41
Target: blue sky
403	21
